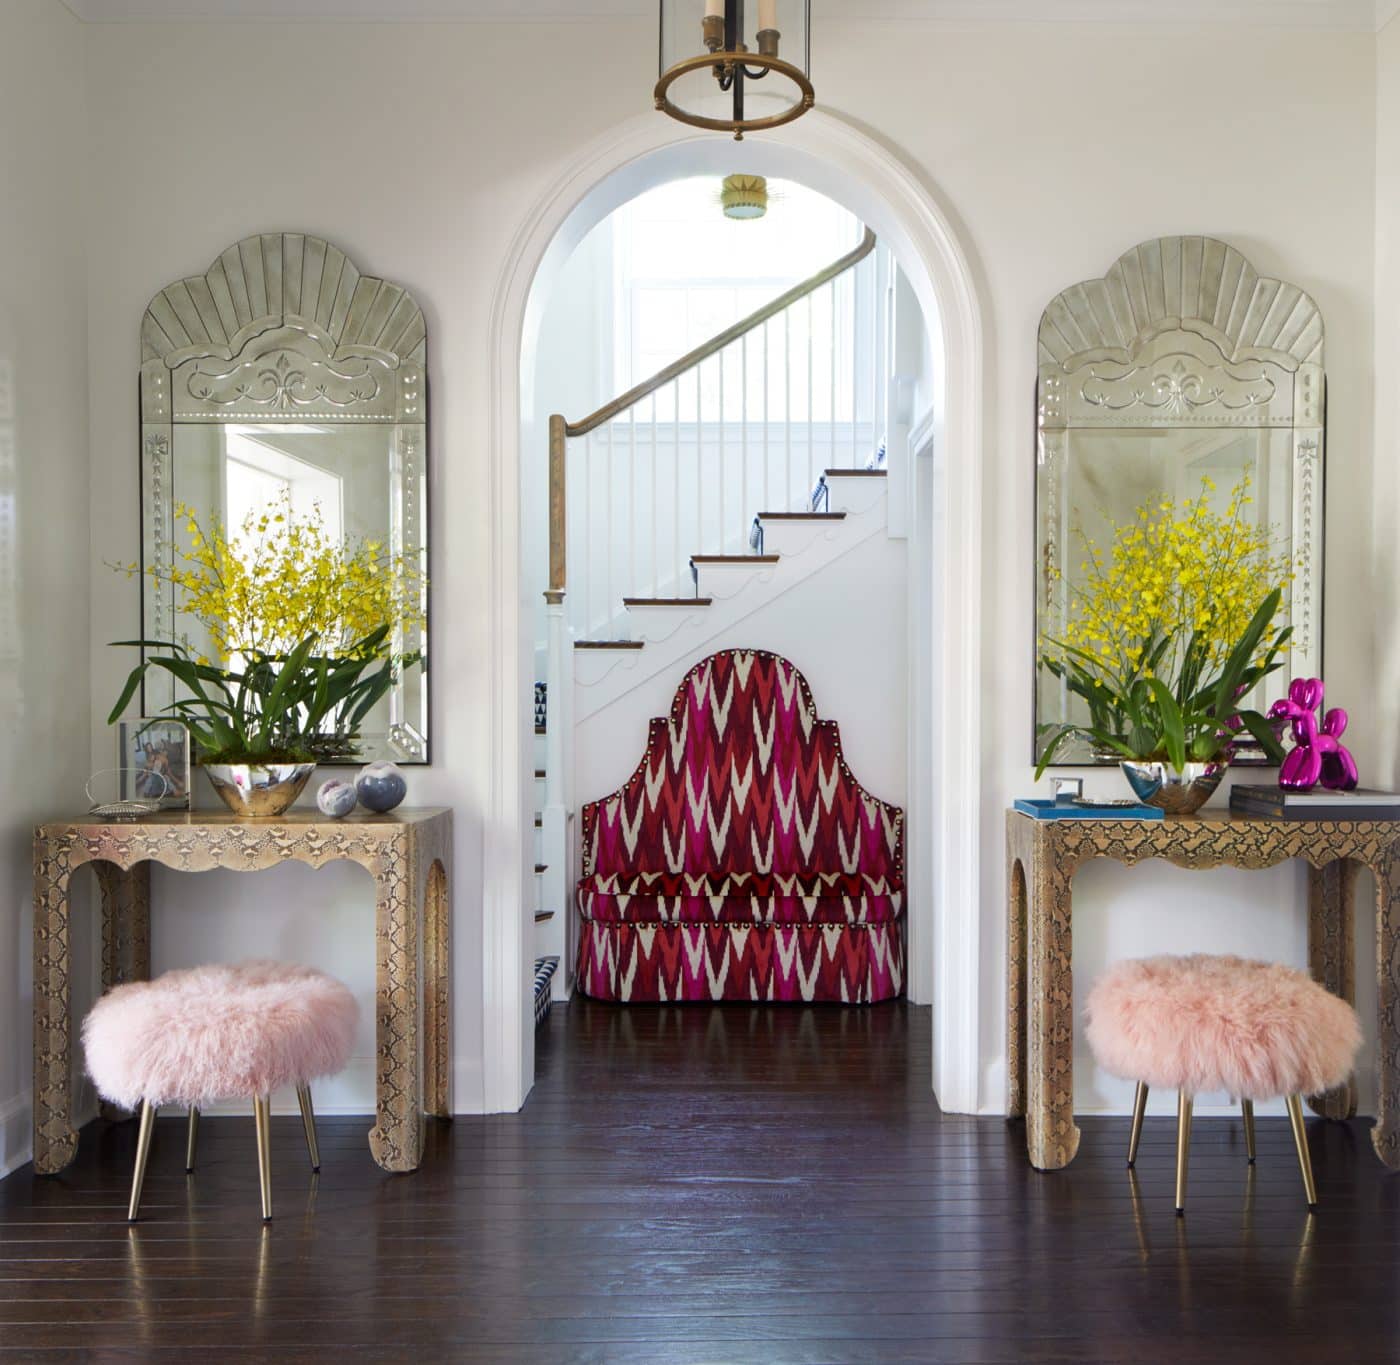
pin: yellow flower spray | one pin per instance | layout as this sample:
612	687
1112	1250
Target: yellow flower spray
306	635
1173	623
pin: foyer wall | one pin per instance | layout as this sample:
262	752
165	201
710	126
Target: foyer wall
1049	147
44	695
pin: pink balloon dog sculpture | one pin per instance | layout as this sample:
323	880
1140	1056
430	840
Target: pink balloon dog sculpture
1318	753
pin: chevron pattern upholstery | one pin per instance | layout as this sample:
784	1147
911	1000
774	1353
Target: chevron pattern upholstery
742	860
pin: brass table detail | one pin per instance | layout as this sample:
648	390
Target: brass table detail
1042	858
408	853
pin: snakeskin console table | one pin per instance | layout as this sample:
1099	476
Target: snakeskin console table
408	853
1042	858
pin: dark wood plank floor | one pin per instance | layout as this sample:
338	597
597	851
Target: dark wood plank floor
696	1185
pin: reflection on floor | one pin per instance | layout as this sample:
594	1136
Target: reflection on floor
747	1186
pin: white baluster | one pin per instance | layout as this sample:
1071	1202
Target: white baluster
586	563
767	486
811	405
723	465
631	585
743	436
655	504
787	410
699	544
832	461
609	487
856	462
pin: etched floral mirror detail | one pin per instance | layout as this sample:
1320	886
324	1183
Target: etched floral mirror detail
1178	376
284	376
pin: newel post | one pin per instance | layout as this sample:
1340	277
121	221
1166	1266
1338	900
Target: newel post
559	685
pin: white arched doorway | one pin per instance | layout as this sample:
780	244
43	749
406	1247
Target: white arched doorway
849	166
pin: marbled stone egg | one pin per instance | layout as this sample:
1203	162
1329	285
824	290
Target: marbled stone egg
336	797
380	786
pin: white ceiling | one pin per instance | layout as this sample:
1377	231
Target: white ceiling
1354	15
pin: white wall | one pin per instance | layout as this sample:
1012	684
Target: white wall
44	694
1054	148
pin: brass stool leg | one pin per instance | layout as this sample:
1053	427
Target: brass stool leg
1139	1109
1247	1107
191	1138
1300	1141
1183	1149
143	1150
261	1113
308	1122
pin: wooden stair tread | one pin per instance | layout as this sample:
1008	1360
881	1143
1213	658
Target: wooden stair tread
541	916
540	772
667	601
608	644
802	516
539	822
855	473
734	559
541	867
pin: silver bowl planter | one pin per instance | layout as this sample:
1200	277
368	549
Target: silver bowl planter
1176	793
257	791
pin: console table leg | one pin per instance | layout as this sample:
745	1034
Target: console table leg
126	934
55	1141
1016	988
1332	958
437	1003
1386	1134
396	1140
1051	1136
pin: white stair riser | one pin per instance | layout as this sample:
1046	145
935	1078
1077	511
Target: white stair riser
722	581
850	493
655	624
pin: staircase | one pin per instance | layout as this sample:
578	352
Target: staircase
700	497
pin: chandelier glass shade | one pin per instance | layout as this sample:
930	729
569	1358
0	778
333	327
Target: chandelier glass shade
735	66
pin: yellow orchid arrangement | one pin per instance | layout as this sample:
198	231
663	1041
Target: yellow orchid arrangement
1173	624
299	631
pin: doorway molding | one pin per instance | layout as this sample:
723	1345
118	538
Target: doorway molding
835	157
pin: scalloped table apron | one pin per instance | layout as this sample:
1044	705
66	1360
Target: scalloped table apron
1042	857
408	854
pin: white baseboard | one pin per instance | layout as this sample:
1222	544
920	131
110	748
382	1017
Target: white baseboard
16	1133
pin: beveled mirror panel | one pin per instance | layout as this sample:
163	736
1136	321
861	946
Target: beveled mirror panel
284	375
1181	365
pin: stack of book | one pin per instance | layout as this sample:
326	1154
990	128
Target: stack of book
1281	803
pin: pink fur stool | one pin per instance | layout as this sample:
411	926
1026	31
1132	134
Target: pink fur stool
215	1033
1255	1030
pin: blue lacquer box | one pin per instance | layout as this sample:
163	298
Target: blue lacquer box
1046	808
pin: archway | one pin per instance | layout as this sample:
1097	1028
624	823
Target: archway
849	166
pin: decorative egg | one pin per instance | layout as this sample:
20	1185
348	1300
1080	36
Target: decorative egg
380	786
336	797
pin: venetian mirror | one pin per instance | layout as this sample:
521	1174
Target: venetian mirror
283	378
1182	374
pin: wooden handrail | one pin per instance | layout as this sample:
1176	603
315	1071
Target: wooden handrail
717	343
560	429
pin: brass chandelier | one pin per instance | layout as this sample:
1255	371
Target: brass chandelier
735	65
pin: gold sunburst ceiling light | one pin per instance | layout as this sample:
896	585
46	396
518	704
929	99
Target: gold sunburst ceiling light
744	196
735	65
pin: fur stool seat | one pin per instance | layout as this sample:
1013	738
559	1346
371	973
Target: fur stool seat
1255	1030
219	1032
